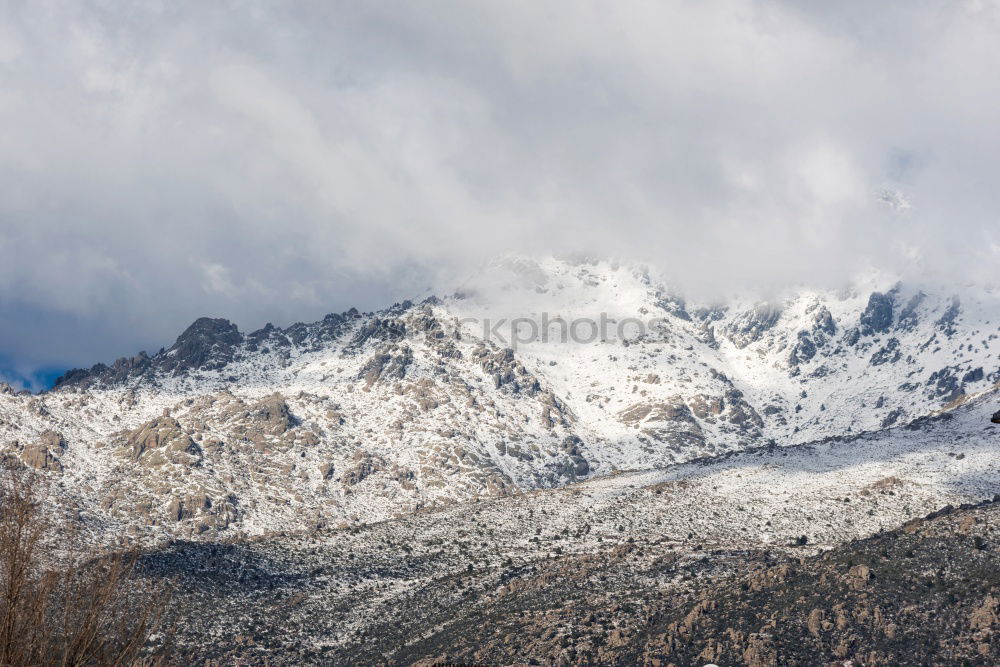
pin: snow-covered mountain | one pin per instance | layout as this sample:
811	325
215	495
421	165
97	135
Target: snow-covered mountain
534	374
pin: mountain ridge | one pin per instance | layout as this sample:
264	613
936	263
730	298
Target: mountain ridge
364	416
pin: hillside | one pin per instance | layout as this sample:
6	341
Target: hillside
788	556
374	486
364	416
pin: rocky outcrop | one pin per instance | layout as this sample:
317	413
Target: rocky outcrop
750	326
877	315
361	466
389	365
44	453
946	323
271	414
888	354
670	421
944	384
208	344
161	441
267	423
576	465
673	410
506	371
909	317
380	330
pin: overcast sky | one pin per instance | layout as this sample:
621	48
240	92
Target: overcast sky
160	161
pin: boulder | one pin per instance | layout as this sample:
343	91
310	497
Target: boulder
271	414
44	452
160	441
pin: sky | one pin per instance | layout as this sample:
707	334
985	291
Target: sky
160	161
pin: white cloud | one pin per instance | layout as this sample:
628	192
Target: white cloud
274	162
217	280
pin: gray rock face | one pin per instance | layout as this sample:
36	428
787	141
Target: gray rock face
945	384
804	350
390	365
946	323
674	305
974	375
811	340
577	465
120	371
889	354
908	317
753	324
877	316
892	418
823	321
268	337
208	344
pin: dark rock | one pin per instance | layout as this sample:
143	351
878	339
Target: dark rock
119	372
944	384
208	344
889	354
823	321
892	418
877	316
974	375
908	318
946	323
804	350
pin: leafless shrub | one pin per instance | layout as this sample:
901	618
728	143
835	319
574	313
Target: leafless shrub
64	604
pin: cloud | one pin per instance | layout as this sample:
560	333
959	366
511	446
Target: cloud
159	162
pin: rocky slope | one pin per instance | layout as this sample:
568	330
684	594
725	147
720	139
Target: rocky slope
772	557
362	417
561	462
926	594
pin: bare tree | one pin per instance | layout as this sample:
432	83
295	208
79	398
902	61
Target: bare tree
63	604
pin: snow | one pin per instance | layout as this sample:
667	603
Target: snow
826	417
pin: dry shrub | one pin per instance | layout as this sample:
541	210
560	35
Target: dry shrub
64	604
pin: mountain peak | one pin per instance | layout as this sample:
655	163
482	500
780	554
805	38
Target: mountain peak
208	344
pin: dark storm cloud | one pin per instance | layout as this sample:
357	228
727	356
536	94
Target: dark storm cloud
276	161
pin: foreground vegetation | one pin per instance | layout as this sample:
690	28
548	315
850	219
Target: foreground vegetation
63	603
